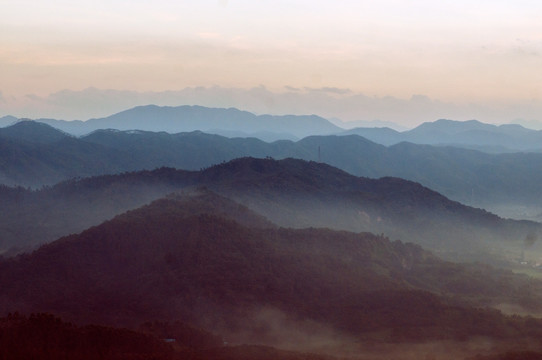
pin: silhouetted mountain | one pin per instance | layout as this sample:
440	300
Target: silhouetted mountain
190	151
35	217
7	120
468	134
384	136
367	124
517	354
185	258
266	136
289	192
34	154
34	162
46	337
190	118
294	193
464	175
236	123
468	176
33	132
500	181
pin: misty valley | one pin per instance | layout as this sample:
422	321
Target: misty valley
199	233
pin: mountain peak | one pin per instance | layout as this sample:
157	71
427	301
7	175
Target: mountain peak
451	126
186	118
300	175
33	131
200	200
7	120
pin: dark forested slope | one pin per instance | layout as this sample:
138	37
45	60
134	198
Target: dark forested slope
34	154
290	192
166	261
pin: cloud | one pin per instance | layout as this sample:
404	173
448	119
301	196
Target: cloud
330	90
33	97
291	88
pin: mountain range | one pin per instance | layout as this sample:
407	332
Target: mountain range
466	134
237	123
35	154
231	122
289	192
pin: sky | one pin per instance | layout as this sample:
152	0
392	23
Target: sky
389	60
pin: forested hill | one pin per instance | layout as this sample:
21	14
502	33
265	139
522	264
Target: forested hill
289	192
34	154
207	269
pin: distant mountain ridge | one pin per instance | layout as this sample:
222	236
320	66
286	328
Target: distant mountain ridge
7	120
36	154
470	134
232	122
191	118
289	192
33	132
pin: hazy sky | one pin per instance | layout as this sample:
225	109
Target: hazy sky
473	59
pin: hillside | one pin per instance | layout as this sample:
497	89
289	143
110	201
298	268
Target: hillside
469	176
7	120
299	194
289	192
183	258
41	155
35	154
46	337
32	132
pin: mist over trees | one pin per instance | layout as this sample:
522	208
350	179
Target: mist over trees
290	192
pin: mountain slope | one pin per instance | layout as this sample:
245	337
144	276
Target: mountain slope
299	194
384	136
464	175
191	118
32	132
289	192
162	262
36	154
472	177
469	134
46	337
7	120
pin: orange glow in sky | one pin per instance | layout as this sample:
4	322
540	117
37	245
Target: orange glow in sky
452	51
